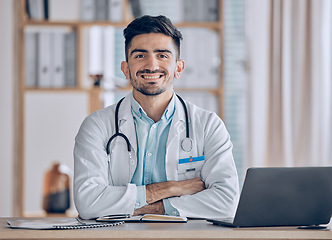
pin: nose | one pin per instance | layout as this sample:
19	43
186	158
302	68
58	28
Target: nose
152	63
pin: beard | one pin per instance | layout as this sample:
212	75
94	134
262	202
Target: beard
148	88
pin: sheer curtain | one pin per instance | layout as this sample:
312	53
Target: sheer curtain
289	82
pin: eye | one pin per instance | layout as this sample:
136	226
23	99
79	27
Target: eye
163	56
139	56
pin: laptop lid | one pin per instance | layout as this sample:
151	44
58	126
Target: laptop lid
299	196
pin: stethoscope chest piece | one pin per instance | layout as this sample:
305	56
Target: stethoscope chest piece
187	144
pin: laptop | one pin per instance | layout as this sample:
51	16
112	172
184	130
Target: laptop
298	196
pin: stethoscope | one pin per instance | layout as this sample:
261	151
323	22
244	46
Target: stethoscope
186	144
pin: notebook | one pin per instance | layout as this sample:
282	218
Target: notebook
299	196
56	223
143	218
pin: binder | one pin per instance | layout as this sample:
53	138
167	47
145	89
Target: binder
200	49
30	59
96	50
136	8
188	52
101	10
57	70
46	9
71	11
109	57
36	8
70	59
27	8
173	9
44	59
115	10
207	61
212	11
87	10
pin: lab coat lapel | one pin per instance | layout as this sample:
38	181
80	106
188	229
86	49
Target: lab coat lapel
178	123
173	141
126	122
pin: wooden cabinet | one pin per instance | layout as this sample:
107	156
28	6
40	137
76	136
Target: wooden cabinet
50	115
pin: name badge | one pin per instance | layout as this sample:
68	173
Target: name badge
191	159
191	164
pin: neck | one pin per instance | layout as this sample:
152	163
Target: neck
154	106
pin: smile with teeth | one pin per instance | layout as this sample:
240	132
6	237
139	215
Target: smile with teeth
151	77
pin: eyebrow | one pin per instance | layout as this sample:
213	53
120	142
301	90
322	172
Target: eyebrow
155	51
137	50
163	51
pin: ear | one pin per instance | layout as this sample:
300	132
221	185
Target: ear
125	69
179	68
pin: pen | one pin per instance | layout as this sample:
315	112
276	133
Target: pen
115	216
83	223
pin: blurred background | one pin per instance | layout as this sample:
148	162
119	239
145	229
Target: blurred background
265	66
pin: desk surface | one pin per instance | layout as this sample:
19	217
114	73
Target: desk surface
194	229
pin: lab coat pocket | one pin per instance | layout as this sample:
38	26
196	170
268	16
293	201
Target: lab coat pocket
189	168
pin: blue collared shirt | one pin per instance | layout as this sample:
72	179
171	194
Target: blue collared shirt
151	151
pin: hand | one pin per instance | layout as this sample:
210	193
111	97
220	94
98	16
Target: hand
154	208
158	191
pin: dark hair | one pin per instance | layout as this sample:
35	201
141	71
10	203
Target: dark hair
151	24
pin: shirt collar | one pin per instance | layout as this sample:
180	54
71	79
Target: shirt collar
138	111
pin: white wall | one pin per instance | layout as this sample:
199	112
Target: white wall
56	137
6	108
52	120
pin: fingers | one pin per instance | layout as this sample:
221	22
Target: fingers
154	208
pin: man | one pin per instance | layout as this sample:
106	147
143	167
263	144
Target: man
157	169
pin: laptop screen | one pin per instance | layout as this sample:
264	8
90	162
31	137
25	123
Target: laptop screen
297	196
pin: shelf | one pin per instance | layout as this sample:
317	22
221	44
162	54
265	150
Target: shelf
73	24
68	89
88	97
210	25
214	91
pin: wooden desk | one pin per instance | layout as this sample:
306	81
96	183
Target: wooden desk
194	229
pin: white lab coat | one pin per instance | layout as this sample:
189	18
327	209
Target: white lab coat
102	183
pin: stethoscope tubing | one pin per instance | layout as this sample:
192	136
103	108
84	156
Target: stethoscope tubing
117	133
184	144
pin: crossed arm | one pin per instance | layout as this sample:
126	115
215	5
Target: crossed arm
156	192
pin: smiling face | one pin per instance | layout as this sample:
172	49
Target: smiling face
152	64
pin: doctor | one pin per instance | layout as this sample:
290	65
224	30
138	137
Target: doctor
153	153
